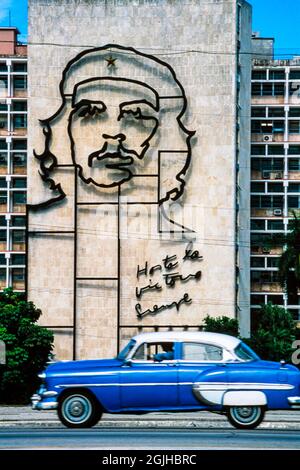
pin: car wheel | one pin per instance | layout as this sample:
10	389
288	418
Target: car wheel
245	417
79	410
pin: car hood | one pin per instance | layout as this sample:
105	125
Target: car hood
79	366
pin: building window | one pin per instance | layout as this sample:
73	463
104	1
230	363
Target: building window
294	89
19	106
272	262
294	112
3	67
3	106
257	224
3	121
19	67
258	112
294	127
17	259
18	237
275	150
275	225
294	150
19	183
275	299
2	278
257	262
268	89
3	201
267	127
276	75
294	187
3	163
259	74
267	202
2	259
20	82
20	121
3	183
19	163
258	149
293	202
257	299
275	188
18	221
19	144
294	75
257	187
3	85
2	221
264	277
18	279
276	112
19	200
2	237
3	144
267	164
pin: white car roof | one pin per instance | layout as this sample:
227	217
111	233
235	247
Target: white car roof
225	341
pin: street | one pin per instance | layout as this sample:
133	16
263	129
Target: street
145	438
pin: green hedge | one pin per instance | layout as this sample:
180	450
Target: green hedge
28	347
273	336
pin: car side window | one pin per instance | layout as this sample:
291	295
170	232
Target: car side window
201	352
154	352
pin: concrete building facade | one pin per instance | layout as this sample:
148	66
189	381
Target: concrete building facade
13	158
275	175
138	176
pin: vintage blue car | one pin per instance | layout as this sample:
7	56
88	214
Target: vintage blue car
169	371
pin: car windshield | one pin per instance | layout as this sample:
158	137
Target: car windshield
245	353
124	353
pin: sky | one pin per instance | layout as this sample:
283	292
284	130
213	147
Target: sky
272	18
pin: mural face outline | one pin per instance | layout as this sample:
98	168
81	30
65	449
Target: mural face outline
118	152
117	130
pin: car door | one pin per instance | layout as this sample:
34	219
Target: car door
146	384
195	358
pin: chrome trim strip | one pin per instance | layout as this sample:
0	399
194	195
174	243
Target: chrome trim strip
215	386
125	385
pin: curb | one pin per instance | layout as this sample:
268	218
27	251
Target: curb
152	424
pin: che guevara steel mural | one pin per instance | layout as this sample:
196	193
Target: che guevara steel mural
122	114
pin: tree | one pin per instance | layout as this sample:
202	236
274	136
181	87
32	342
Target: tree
289	261
28	347
275	334
226	325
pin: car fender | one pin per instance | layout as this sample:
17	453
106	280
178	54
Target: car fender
209	386
244	398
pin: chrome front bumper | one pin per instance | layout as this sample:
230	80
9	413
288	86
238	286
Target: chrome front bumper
294	402
38	403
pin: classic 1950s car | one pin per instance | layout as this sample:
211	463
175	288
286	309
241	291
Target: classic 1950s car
171	371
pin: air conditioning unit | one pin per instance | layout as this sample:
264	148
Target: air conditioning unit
268	137
266	175
278	175
277	211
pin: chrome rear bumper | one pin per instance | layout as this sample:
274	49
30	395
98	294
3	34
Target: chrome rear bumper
294	402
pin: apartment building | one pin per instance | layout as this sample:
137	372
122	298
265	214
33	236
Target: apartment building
275	170
13	157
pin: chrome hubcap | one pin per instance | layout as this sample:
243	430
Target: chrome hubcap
245	414
77	409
